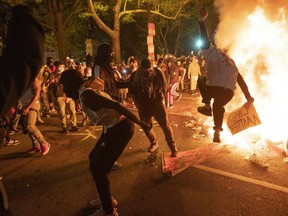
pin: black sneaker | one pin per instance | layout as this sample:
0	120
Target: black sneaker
65	130
216	137
205	111
74	128
174	153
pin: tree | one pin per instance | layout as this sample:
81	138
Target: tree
56	17
136	7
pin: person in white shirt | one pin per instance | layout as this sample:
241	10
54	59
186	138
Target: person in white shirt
193	74
221	78
118	129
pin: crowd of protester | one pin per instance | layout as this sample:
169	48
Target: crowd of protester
65	88
181	74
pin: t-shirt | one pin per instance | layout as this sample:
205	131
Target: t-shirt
104	116
221	69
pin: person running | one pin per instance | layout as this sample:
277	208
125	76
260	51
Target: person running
118	129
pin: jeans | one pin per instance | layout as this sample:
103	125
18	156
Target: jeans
106	151
30	128
221	97
158	111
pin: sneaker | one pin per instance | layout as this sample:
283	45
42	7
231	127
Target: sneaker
33	150
152	147
116	166
45	147
74	128
205	111
84	122
216	137
13	132
65	130
11	142
40	120
97	204
174	152
178	97
101	212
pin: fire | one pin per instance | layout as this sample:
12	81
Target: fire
259	48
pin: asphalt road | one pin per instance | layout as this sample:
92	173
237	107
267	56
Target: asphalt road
220	182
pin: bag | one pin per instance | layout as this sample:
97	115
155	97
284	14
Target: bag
94	83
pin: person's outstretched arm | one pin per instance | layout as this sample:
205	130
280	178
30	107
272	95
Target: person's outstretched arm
94	101
244	88
202	15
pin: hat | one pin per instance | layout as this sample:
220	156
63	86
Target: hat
104	50
145	64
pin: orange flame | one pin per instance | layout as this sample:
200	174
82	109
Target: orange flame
259	48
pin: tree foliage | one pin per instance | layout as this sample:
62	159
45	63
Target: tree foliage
67	24
175	24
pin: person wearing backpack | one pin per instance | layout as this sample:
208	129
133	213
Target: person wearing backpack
148	88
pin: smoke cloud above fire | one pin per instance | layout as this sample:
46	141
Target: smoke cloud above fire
233	14
255	33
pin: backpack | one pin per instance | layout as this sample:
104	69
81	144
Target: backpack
94	83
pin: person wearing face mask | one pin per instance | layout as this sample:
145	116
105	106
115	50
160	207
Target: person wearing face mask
148	88
63	103
118	130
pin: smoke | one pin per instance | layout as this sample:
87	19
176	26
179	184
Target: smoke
233	16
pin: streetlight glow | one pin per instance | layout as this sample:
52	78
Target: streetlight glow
199	43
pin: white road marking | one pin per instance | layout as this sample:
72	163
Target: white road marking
243	178
87	135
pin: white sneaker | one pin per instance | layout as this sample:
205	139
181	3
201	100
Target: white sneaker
11	142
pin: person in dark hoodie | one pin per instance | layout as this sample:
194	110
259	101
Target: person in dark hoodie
103	69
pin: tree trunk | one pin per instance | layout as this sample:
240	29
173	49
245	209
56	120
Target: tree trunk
179	31
113	34
116	38
56	8
60	36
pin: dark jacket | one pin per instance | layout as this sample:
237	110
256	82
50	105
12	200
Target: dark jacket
147	90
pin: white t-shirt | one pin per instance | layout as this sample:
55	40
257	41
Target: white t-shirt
221	69
104	116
